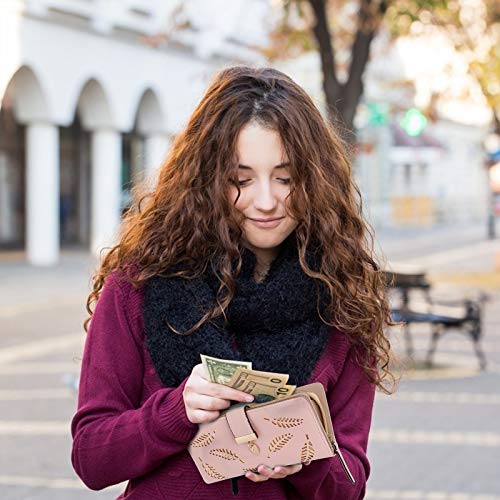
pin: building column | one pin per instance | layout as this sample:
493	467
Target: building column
106	158
156	147
42	193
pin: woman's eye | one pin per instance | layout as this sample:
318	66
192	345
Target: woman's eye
245	181
240	182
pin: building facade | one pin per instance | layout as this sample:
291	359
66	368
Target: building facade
87	109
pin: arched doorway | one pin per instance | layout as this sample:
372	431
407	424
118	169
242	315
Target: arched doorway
30	163
146	146
74	192
12	181
132	165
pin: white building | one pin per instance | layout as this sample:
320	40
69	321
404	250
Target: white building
87	108
440	176
436	178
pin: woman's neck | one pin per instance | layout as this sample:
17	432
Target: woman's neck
264	257
260	271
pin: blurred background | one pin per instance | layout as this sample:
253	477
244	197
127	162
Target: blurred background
92	92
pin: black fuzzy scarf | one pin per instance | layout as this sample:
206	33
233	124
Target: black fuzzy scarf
274	323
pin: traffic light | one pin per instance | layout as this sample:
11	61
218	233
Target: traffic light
378	113
414	122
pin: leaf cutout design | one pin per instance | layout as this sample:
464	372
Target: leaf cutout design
251	469
307	451
225	454
211	471
278	443
204	440
254	447
285	422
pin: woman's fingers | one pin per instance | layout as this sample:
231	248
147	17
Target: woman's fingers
203	399
224	392
279	472
204	402
202	416
201	385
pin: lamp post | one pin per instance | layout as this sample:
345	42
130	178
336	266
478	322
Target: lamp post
492	147
493	162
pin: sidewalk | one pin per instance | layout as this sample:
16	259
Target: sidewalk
437	437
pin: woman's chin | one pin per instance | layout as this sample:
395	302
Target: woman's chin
264	242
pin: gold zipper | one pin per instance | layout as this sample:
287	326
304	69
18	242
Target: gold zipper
337	452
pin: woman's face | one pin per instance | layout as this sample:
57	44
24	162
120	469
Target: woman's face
264	181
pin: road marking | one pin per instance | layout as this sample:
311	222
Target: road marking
427	495
402	436
449	345
10	311
442	373
432	260
446	365
443	397
40	347
40	368
413	397
52	483
30	394
35	428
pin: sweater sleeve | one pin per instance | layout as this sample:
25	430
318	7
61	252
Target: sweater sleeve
351	403
115	438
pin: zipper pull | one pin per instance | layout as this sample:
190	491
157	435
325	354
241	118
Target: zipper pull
337	452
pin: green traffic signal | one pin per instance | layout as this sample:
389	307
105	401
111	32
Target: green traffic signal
378	113
414	122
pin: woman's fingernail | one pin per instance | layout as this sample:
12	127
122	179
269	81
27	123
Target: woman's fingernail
249	398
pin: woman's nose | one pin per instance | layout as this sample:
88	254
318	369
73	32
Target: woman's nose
265	199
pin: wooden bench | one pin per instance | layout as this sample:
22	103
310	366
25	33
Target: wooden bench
464	315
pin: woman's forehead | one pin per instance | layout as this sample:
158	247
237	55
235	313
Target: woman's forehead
259	147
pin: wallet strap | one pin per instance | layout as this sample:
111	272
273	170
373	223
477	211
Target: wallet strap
241	428
239	424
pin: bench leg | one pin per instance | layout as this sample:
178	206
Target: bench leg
408	340
436	333
475	333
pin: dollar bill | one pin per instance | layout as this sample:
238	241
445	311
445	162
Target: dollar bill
264	386
221	371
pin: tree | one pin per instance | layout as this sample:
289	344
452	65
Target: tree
473	27
320	18
342	31
312	29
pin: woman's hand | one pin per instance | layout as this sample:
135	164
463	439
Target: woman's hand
204	399
278	472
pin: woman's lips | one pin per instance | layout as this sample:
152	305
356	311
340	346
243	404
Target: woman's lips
267	224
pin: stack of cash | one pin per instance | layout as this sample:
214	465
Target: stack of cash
264	386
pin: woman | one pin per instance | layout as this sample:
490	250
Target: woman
252	247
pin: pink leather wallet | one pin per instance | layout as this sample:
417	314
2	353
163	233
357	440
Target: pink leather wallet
292	430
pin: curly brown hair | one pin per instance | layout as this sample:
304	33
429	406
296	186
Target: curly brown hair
188	219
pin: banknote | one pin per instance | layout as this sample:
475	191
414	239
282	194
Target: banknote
264	386
221	371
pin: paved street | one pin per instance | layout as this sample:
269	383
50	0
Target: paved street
438	437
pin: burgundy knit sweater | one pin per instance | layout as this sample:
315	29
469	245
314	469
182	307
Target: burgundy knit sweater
128	426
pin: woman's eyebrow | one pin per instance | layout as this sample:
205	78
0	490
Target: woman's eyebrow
281	165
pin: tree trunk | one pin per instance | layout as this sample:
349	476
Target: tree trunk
343	99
